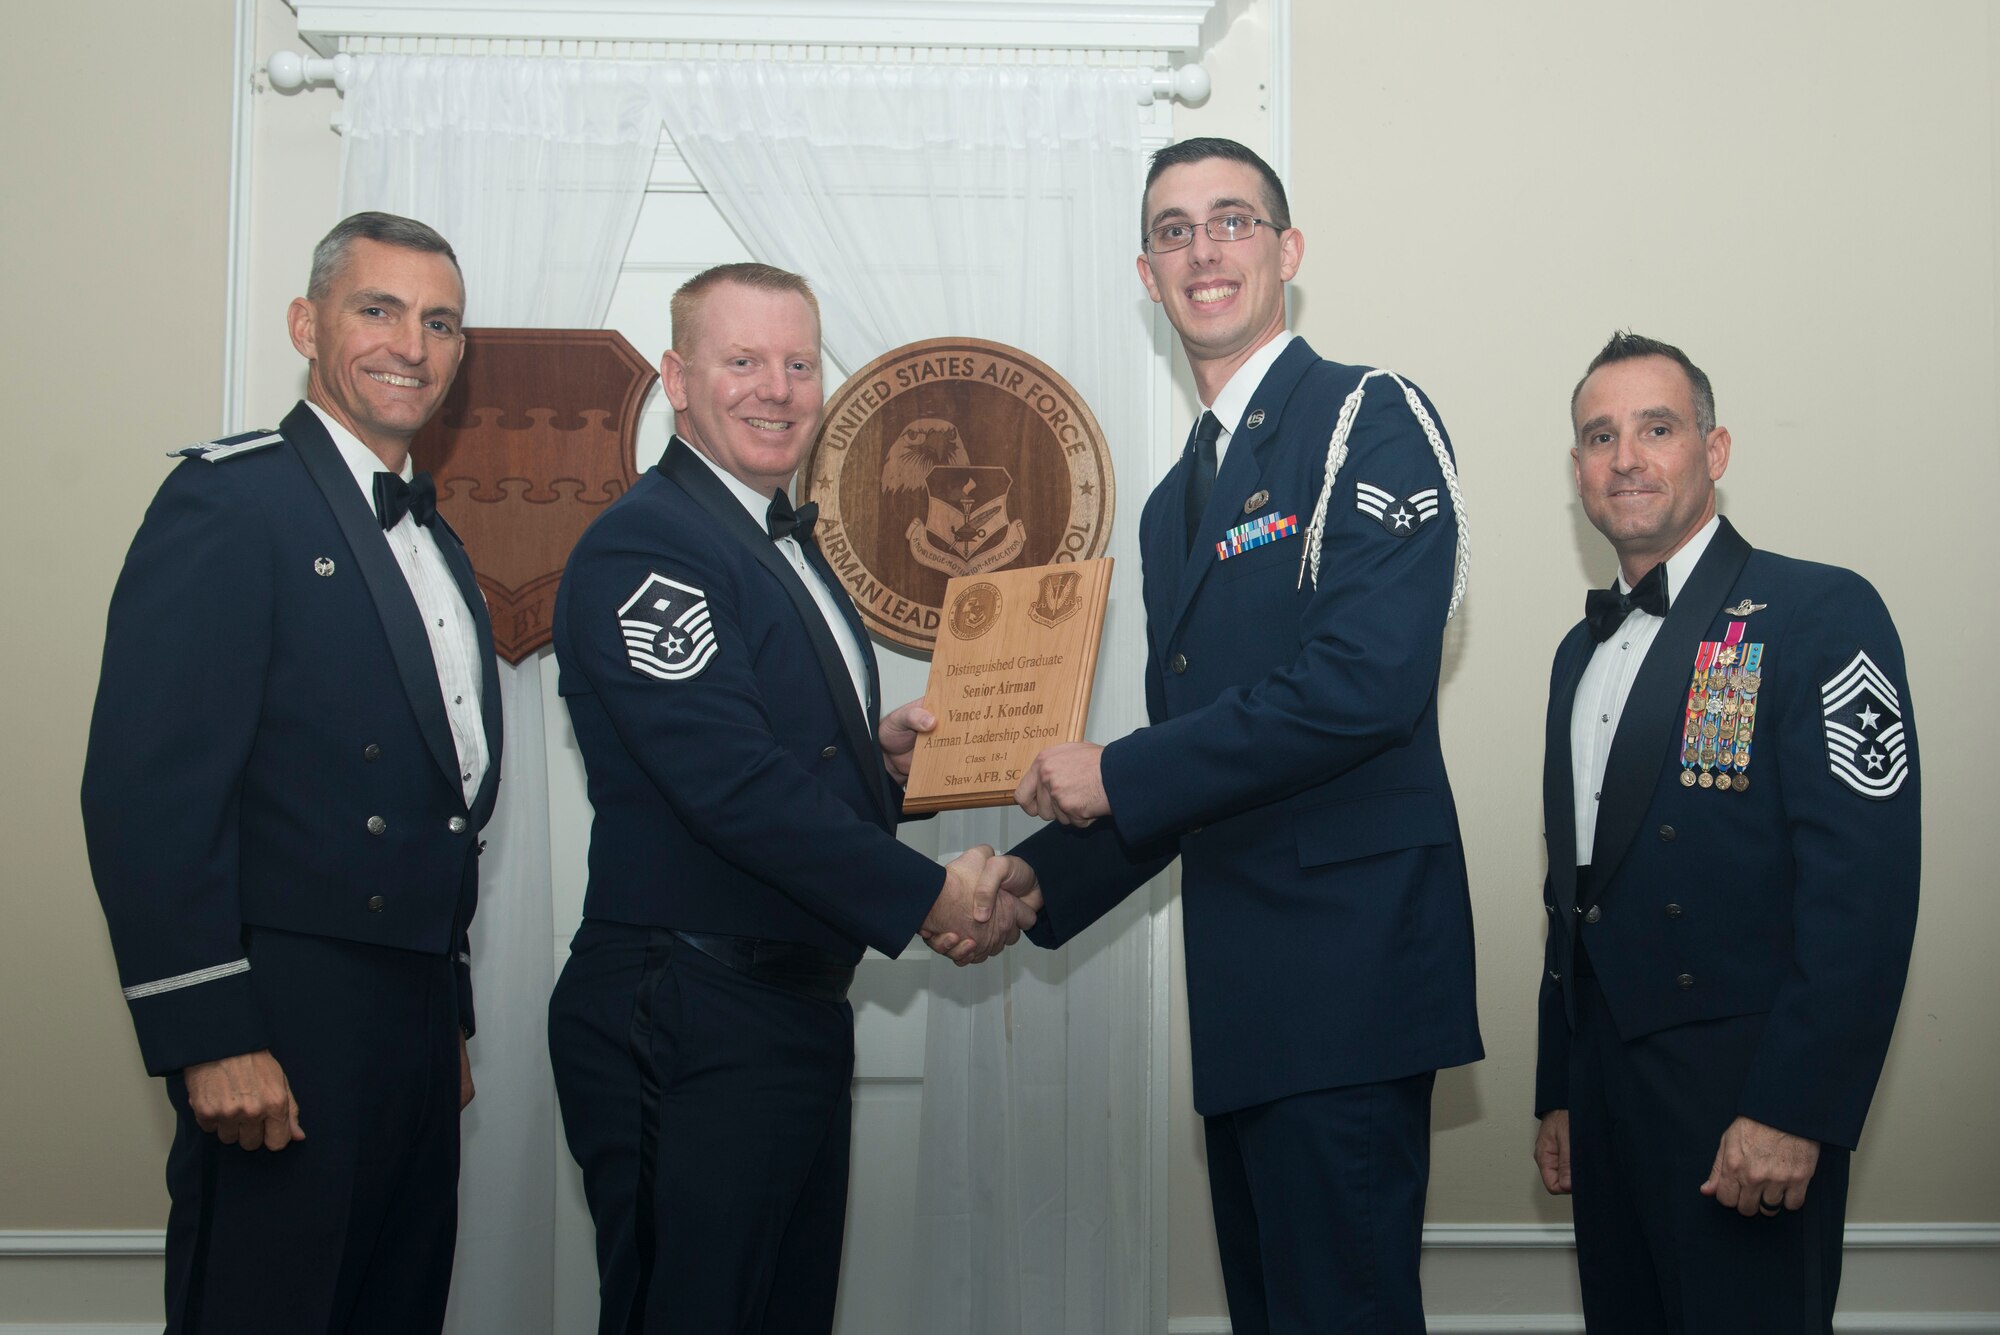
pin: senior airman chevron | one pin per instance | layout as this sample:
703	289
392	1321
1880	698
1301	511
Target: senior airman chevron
1255	533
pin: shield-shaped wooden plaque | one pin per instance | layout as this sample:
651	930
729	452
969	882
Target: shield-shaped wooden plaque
536	437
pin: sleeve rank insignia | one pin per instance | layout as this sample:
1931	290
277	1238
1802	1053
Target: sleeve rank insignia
1865	746
666	628
1401	517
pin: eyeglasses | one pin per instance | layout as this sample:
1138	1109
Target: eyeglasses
1226	227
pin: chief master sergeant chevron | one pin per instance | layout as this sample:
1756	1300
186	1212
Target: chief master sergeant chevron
1299	571
1731	799
296	741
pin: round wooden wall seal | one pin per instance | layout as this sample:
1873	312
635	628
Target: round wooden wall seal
949	457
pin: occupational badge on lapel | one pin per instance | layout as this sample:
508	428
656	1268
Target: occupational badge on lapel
1744	608
322	566
1721	715
1254	420
1255	502
666	628
1401	517
1265	528
1865	747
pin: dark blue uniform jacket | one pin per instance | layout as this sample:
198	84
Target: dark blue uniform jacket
1293	760
269	746
1795	897
736	780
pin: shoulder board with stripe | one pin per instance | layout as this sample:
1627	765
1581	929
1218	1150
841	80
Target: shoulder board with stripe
215	451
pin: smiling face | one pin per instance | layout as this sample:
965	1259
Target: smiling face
1645	474
1226	299
384	342
747	391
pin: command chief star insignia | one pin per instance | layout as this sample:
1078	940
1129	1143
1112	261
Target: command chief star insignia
1865	748
666	628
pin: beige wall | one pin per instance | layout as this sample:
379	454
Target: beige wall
116	163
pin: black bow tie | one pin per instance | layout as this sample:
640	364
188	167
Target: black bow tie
395	498
1605	610
784	522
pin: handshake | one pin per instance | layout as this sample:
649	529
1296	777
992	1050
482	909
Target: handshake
988	900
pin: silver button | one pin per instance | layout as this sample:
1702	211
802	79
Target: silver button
376	825
1673	910
456	825
829	753
1594	914
1178	663
375	903
371	752
1686	981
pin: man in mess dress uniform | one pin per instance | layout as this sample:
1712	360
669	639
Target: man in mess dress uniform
1299	569
743	852
295	745
1731	802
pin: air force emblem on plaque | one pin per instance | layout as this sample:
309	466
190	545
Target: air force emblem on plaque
666	628
1400	517
1865	747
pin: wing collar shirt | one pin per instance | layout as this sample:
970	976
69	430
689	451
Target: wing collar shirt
1234	400
447	621
836	620
1607	681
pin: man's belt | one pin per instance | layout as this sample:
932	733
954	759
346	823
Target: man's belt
790	966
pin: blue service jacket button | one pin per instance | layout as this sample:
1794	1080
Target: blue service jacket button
456	825
377	825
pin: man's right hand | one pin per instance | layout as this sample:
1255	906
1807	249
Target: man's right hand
244	1101
973	920
1552	1152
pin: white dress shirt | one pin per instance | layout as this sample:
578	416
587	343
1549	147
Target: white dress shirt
1234	400
836	620
1605	684
447	621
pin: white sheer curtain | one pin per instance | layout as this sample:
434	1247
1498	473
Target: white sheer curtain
534	170
999	201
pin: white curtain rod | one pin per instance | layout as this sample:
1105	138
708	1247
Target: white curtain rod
289	71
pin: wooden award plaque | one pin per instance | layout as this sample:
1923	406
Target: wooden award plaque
1010	675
